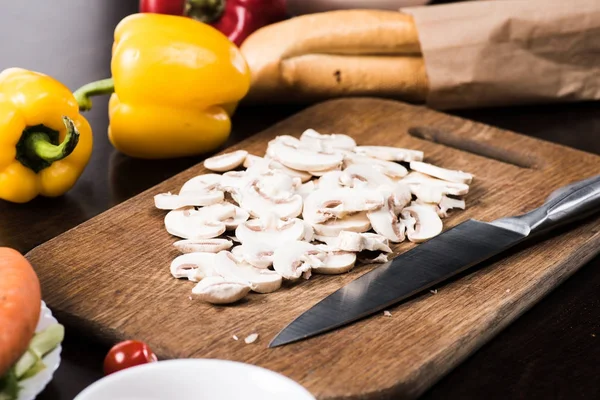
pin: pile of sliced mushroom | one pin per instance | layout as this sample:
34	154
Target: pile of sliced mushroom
306	207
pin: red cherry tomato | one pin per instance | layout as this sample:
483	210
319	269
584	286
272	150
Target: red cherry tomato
127	354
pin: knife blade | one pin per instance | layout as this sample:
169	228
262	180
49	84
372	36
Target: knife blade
437	260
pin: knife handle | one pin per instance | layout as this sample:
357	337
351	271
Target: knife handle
568	204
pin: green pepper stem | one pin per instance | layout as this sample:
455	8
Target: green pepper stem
205	10
37	151
83	94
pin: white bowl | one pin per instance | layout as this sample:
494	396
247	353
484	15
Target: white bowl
33	386
194	379
298	7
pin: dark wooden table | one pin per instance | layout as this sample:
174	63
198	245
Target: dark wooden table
551	352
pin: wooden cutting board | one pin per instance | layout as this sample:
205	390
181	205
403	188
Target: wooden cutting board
110	275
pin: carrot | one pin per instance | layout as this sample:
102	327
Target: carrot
20	301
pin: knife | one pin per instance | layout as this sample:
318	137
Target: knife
440	258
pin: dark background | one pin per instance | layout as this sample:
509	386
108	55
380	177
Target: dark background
551	352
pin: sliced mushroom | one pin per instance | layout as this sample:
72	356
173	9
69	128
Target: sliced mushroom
356	242
201	183
301	158
391	169
233	182
238	218
428	223
259	255
297	258
314	139
385	222
321	173
441	173
380	259
306	188
355	223
336	262
203	190
268	163
168	201
402	196
218	290
254	200
390	153
330	180
203	245
364	175
205	223
193	266
226	162
324	204
251	159
270	229
368	241
431	190
259	280
309	232
449	203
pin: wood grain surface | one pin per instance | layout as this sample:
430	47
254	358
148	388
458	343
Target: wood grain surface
110	275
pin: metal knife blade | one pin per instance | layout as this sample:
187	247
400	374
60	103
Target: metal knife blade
438	259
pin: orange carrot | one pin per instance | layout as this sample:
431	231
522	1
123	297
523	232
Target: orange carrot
20	301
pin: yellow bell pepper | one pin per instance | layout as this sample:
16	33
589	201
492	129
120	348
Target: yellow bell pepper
45	144
176	83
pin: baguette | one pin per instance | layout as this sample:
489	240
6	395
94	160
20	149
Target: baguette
337	53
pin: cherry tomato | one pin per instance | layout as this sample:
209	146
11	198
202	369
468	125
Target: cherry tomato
127	354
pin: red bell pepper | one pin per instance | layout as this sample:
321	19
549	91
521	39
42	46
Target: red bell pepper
173	7
237	19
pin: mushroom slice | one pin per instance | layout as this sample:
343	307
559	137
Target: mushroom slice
203	245
391	169
193	266
364	175
206	223
428	223
238	218
390	153
355	223
385	222
257	202
306	188
309	232
431	190
251	159
441	173
297	258
314	139
324	204
353	241
168	201
356	242
330	180
336	262
321	173
449	203
218	290
233	182
259	280
259	255
271	230
226	162
381	258
201	183
268	163
301	158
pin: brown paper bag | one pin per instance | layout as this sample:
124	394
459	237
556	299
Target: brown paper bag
492	53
